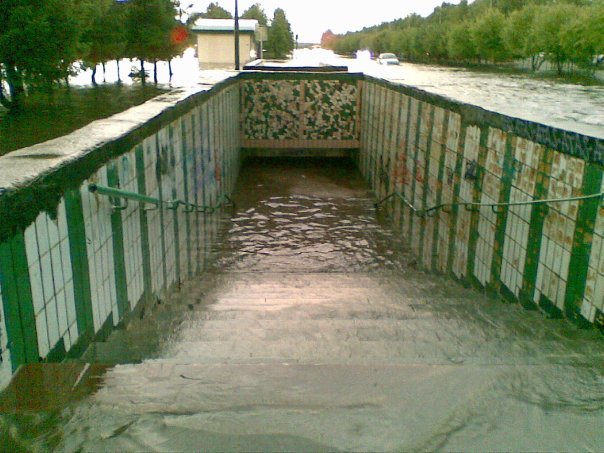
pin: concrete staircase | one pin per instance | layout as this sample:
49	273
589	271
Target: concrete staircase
265	353
398	318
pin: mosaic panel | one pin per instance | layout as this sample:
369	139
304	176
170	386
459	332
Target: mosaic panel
299	110
330	110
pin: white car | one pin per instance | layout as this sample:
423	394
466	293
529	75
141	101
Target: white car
387	59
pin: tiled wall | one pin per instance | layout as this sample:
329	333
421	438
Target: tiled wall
435	151
75	273
76	270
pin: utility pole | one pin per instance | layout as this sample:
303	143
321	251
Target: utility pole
237	66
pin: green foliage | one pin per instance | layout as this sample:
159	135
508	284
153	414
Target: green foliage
560	31
148	25
256	12
103	34
280	37
487	35
460	44
551	23
215	11
38	44
40	40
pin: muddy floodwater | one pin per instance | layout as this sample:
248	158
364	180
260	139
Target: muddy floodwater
565	105
313	329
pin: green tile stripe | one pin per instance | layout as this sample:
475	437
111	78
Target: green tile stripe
18	302
475	216
422	220
439	189
362	128
186	155
79	263
380	143
404	176
409	158
582	242
535	236
117	237
377	129
463	130
505	193
385	149
369	133
392	154
174	196
144	227
161	160
377	117
197	194
415	151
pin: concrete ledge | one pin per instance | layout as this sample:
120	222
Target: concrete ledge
297	152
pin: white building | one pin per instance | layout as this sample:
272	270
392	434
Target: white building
216	42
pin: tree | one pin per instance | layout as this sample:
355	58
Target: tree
38	44
149	24
103	36
215	11
431	42
549	25
460	45
280	37
583	38
328	39
595	31
487	35
256	12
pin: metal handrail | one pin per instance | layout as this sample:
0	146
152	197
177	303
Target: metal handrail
403	199
223	200
498	208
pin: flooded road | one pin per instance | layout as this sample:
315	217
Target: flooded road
560	104
311	329
566	106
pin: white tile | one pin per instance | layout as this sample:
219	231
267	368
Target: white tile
57	269
31	245
42	334
62	313
47	282
52	323
35	278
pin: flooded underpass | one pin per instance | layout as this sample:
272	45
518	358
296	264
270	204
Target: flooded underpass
312	328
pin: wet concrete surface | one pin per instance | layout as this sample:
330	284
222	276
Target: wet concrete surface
312	330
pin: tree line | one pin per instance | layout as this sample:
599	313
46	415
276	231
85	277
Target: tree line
43	42
567	33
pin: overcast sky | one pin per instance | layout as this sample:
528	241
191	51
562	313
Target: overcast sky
310	18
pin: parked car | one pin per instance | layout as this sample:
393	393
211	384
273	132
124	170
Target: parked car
387	58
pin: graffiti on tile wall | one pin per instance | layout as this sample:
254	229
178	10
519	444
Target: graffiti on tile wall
299	110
